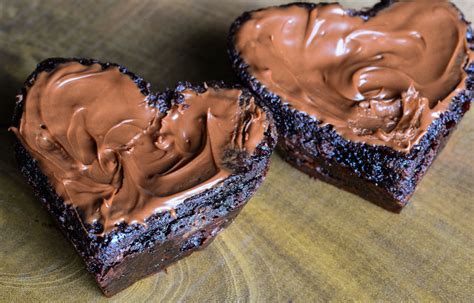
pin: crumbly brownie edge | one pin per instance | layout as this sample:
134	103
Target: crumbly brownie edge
344	178
197	232
391	172
199	217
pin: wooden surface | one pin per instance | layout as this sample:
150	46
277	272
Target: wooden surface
297	239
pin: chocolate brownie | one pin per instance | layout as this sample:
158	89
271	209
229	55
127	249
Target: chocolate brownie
364	100
137	180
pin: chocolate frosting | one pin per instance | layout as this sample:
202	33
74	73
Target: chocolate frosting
380	81
113	156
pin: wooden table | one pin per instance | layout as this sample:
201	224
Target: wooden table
297	240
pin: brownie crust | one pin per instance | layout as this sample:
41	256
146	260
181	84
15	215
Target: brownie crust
130	252
379	174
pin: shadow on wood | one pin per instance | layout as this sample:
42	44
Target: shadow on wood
9	87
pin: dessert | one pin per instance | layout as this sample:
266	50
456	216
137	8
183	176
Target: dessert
137	180
364	100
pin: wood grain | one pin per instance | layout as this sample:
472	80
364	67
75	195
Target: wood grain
297	240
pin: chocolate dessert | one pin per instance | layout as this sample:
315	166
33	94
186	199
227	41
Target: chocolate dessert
363	100
137	180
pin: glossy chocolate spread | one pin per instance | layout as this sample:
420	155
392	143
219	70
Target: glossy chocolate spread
381	81
115	157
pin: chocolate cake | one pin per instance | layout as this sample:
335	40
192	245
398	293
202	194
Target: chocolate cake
137	180
364	100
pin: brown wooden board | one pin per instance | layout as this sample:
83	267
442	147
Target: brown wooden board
297	239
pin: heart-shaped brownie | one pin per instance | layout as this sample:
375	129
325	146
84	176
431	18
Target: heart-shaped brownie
363	99
137	180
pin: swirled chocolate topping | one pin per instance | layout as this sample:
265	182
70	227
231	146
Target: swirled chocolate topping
115	157
381	81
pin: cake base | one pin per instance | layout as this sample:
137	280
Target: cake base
150	261
377	173
345	178
127	253
167	238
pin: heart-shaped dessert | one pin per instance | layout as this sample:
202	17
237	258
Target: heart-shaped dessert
137	180
363	99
